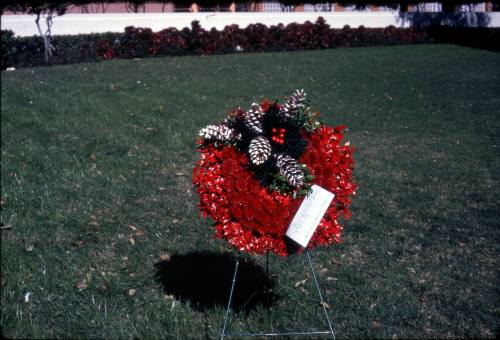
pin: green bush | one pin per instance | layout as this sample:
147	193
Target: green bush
68	49
143	42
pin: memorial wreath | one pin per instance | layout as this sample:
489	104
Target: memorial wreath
256	166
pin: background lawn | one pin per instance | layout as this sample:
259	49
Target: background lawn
96	164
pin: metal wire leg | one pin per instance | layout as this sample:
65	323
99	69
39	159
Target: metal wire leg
230	298
320	295
226	317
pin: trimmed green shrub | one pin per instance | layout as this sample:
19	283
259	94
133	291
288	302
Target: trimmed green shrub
143	42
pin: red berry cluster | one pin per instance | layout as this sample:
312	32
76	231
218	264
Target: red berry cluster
278	135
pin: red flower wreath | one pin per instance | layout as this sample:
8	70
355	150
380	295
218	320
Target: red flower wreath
255	218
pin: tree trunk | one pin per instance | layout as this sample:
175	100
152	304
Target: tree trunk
45	41
46	37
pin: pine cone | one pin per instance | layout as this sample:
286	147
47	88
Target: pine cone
294	104
253	118
219	133
289	168
259	150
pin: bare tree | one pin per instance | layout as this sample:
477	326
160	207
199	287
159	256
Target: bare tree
46	11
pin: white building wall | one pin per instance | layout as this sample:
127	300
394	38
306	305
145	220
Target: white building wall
24	25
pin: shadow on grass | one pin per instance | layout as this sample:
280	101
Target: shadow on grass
204	280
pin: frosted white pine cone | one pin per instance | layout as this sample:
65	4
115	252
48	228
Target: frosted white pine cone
259	150
220	133
294	104
253	118
289	168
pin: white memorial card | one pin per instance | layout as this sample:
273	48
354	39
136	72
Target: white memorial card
309	215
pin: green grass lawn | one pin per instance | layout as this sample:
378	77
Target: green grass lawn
96	164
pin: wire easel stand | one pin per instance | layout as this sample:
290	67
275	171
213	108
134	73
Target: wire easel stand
330	332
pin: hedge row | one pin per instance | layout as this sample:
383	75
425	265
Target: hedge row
70	49
143	42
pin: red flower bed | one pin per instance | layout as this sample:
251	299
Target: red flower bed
255	219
